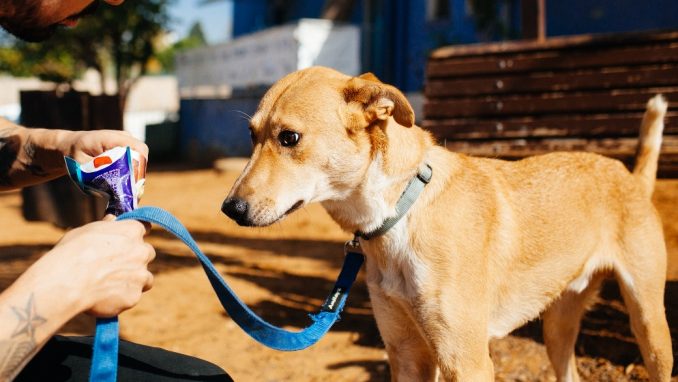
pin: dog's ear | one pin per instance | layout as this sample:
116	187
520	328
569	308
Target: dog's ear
378	100
369	76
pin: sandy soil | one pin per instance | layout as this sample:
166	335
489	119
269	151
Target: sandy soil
284	272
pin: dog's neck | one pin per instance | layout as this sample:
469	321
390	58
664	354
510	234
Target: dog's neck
393	165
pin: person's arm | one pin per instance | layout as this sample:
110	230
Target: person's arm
30	156
100	268
30	314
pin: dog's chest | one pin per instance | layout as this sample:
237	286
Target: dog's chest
393	268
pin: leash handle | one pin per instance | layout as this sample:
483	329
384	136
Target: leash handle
104	366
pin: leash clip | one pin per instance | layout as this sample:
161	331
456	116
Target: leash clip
353	246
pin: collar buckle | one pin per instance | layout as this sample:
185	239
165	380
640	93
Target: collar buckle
353	246
425	174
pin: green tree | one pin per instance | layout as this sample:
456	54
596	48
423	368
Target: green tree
194	39
121	40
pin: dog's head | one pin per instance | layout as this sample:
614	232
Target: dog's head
314	134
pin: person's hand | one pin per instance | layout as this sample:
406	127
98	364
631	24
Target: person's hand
83	146
103	263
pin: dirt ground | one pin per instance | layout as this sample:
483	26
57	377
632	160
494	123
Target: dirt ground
284	272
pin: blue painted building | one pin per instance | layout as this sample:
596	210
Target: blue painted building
399	34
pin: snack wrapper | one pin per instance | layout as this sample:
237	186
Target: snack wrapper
119	173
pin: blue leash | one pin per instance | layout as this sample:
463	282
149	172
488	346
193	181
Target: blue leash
105	357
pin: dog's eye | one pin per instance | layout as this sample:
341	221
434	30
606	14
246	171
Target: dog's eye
288	138
253	137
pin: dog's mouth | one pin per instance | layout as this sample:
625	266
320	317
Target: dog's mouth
243	220
294	207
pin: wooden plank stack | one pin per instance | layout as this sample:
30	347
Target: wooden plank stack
514	99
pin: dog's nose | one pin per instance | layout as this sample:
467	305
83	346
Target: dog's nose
236	209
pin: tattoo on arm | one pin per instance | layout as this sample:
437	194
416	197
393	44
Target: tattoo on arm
12	160
9	150
16	351
29	162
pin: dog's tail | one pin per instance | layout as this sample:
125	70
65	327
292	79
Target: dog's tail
649	146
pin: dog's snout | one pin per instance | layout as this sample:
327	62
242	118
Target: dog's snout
236	209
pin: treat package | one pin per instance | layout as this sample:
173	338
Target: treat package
118	173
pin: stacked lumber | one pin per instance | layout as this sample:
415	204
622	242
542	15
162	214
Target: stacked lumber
514	99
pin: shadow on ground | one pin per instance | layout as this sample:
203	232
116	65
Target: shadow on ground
298	296
605	329
378	370
325	250
606	332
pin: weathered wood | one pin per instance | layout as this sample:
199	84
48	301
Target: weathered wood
105	113
565	42
596	125
596	79
516	148
592	102
581	93
46	109
622	149
565	59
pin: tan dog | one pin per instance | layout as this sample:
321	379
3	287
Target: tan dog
488	245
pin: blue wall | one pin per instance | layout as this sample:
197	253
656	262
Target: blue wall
216	127
249	16
254	15
608	16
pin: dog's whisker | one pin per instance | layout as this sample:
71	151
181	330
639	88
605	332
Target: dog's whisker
243	115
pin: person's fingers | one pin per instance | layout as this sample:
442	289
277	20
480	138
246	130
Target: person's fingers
142	149
99	141
151	253
125	138
148	284
132	228
147	227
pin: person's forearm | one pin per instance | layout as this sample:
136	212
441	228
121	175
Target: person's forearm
29	156
31	311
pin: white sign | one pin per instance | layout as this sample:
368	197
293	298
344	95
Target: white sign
260	59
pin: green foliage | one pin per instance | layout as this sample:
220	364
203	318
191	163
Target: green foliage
121	39
12	62
194	39
53	63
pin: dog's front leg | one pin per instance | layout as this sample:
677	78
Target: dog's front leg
456	325
409	354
